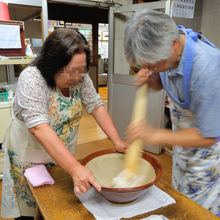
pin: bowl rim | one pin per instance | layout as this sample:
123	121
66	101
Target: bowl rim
145	156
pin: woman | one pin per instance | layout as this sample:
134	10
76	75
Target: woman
173	58
47	109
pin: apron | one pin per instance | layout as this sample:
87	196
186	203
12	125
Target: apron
22	150
196	171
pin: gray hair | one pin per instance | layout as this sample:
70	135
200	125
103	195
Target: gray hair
148	37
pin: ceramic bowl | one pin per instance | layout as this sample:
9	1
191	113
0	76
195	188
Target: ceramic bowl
107	164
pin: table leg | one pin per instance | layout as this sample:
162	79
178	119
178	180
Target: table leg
38	215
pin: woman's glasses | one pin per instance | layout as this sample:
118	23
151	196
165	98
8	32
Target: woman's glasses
74	73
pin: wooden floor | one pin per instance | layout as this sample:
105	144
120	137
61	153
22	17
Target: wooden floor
103	92
90	131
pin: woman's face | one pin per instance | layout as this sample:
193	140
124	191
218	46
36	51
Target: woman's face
72	72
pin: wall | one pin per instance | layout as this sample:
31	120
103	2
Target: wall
26	14
194	23
210	21
33	29
3	77
206	20
93	74
124	2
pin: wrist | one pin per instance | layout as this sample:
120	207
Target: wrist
116	141
154	137
73	167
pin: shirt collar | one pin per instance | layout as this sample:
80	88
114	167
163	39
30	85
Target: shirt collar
179	70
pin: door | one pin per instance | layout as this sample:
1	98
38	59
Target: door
120	79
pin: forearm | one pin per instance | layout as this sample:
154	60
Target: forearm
54	147
186	138
105	122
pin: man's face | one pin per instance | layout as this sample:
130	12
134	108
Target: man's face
158	67
164	65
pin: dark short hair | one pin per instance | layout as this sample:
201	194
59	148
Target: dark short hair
57	51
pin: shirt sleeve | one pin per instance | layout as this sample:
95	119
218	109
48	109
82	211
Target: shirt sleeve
31	103
90	98
205	93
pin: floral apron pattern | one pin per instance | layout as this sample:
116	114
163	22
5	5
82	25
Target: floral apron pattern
196	171
20	147
65	114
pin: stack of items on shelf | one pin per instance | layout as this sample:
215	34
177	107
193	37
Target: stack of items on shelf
3	95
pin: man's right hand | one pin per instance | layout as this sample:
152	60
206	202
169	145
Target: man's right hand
152	79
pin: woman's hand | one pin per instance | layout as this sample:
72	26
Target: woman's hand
83	179
120	145
141	130
152	79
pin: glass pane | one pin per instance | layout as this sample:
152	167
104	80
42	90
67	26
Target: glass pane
120	63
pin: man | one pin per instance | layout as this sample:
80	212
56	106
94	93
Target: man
173	58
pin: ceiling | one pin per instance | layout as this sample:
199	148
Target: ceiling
57	11
23	13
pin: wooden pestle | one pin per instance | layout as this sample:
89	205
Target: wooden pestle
132	155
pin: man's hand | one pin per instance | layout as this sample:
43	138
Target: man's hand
152	79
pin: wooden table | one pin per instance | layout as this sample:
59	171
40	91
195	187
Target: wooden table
58	202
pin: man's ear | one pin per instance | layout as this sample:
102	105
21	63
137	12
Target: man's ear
176	44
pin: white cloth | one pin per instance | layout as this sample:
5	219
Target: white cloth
10	36
152	199
155	217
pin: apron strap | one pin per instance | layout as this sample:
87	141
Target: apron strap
191	40
195	36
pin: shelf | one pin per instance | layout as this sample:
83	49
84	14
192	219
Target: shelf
16	61
6	104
